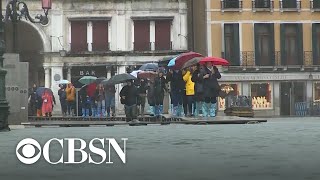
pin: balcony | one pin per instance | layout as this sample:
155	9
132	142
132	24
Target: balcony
248	64
315	5
98	47
290	6
262	5
231	5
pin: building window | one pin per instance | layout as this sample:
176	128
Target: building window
261	95
316	43
232	45
142	35
289	5
316	91
291	44
262	5
227	89
231	5
79	41
100	34
264	44
163	35
315	5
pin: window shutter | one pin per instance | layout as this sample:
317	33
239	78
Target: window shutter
282	44
315	47
300	43
100	36
142	35
79	36
272	47
163	35
236	51
256	45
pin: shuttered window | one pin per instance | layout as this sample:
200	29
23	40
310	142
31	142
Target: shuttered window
142	35
316	43
289	4
291	44
264	44
232	45
100	36
79	36
163	35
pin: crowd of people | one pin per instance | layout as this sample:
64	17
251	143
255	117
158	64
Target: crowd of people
193	92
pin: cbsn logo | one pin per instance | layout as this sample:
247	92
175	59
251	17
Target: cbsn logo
29	155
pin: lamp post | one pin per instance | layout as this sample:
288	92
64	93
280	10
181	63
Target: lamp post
15	11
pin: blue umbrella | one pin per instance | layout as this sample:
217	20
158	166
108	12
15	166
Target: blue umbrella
149	67
40	91
172	62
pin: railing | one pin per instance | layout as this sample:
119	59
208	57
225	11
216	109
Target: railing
248	58
307	108
315	5
101	47
288	6
142	46
231	5
78	48
262	5
163	46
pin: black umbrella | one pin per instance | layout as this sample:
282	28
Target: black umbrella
149	67
192	62
120	78
40	91
100	79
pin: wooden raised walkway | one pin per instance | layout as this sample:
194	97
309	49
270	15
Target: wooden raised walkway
149	120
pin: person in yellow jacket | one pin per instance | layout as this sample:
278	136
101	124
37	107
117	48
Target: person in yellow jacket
189	91
71	96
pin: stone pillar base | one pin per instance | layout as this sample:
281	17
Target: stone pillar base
4	113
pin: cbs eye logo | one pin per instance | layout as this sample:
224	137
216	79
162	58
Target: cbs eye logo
28	150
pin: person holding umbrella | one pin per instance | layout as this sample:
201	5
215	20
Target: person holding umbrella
101	101
211	89
189	85
63	99
71	96
177	89
142	91
159	89
110	100
128	95
197	78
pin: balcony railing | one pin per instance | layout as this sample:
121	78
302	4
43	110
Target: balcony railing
231	5
262	5
248	59
315	5
101	47
288	6
142	46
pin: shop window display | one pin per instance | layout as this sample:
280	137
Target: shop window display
261	96
316	92
227	89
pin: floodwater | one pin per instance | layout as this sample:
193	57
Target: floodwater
281	149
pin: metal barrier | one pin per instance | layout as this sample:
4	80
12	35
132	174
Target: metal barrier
307	108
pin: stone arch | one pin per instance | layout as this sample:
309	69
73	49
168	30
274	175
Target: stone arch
31	42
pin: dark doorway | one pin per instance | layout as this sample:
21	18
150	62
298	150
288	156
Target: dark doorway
291	93
29	46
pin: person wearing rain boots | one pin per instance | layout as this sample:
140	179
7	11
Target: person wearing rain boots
211	89
101	101
177	85
197	77
159	89
110	100
189	84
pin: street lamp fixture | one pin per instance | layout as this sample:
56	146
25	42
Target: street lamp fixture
16	10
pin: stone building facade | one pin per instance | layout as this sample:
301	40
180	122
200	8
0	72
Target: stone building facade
100	38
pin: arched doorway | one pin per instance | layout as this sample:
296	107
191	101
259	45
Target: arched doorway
29	46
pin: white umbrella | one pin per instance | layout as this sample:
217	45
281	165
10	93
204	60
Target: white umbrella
135	73
64	81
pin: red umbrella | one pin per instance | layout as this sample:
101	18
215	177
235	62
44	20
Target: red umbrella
214	61
183	58
147	75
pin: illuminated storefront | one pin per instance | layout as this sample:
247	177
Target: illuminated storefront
261	94
228	89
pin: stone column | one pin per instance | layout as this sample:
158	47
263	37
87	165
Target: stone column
108	73
309	90
47	77
119	106
56	76
153	35
245	89
69	74
276	98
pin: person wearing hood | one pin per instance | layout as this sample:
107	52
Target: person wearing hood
177	89
211	89
159	89
189	85
197	77
128	97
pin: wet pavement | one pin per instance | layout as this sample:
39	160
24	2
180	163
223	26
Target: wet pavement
281	149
